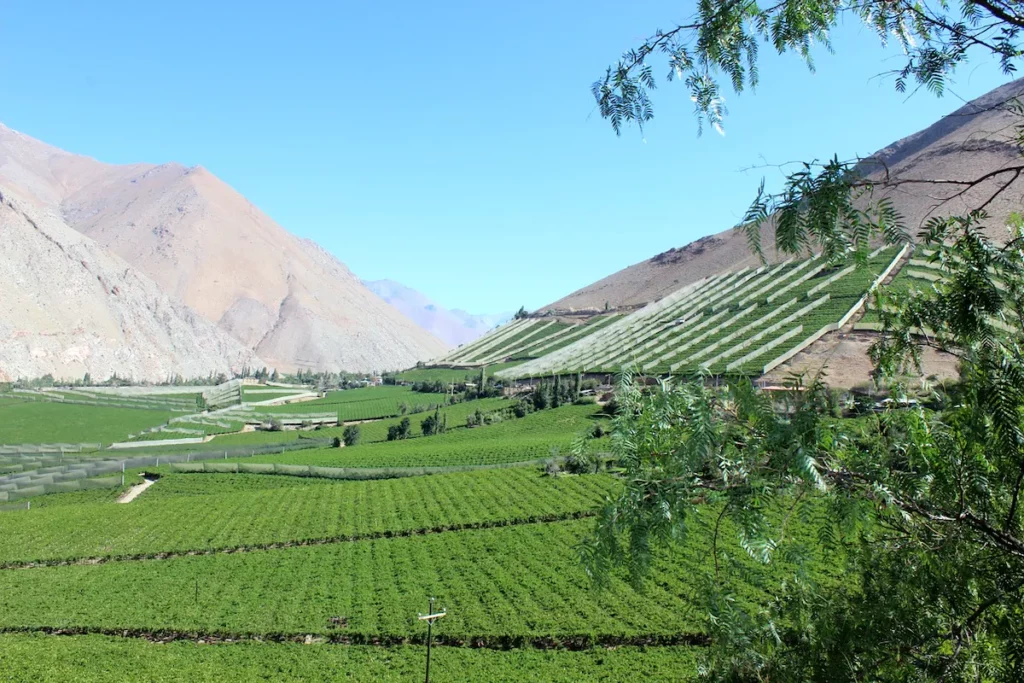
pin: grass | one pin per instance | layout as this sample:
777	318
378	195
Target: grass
41	422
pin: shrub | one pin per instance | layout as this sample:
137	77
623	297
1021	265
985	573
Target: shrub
579	463
399	431
351	435
611	407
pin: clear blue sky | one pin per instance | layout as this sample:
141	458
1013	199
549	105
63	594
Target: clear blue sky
452	146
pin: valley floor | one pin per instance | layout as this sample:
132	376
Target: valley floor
240	576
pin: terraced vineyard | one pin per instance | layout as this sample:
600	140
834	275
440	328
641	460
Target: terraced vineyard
523	339
921	273
744	322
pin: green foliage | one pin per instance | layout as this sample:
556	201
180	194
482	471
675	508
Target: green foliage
434	424
399	431
721	46
924	505
351	435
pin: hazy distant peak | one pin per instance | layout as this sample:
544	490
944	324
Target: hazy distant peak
454	327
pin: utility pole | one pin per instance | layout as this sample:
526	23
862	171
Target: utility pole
430	617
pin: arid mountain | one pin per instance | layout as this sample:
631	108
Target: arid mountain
285	298
454	327
977	139
69	308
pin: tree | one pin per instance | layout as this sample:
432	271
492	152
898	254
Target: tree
918	509
924	508
432	424
351	435
724	39
540	396
400	430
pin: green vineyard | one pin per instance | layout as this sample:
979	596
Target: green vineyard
741	323
524	339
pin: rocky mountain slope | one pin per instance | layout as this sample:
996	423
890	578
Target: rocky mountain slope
454	327
286	299
69	308
974	140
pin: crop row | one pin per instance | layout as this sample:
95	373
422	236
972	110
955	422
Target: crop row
489	341
55	659
504	583
201	511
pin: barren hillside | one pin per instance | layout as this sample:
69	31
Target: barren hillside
974	140
69	307
200	241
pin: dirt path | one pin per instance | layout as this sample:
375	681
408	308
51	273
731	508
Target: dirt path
136	491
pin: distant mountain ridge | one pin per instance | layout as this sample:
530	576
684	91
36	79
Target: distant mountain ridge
284	298
454	327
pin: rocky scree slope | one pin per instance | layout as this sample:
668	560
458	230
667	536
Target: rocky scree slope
68	308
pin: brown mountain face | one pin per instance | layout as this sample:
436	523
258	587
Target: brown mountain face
977	139
67	308
285	298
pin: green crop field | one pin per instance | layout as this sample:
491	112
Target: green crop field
369	403
291	577
513	440
40	422
178	514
